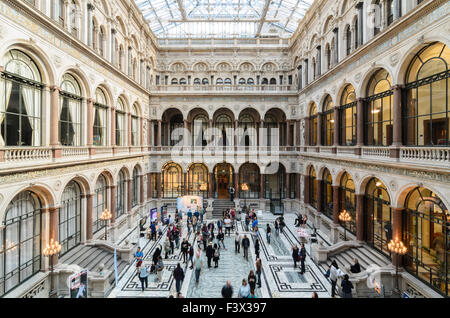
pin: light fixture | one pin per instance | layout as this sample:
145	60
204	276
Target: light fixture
106	216
397	248
376	111
53	248
345	217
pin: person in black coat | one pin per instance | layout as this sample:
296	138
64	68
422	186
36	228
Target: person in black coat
302	258
156	255
209	254
295	254
184	249
178	274
355	268
245	245
257	248
227	290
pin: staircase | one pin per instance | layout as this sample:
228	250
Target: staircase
90	257
219	206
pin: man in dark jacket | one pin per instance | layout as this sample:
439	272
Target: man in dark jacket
178	274
227	290
245	245
302	258
209	254
184	249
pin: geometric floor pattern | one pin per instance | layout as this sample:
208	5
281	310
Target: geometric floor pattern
279	278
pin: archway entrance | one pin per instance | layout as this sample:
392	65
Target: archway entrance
223	176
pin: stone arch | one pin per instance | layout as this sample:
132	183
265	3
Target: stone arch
252	112
82	79
339	93
108	177
361	90
82	181
361	188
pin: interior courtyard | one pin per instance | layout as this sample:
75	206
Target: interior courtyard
338	111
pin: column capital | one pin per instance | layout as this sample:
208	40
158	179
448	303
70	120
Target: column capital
54	88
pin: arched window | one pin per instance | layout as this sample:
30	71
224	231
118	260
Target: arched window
199	131
426	232
249	175
328	122
227	81
242	81
347	112
196	81
134	126
100	199
390	8
265	81
101	42
247	131
205	81
275	185
20	241
120	194
73	11
121	132
356	32
219	81
174	81
347	201
135	188
20	101
57	11
313	125
70	112
378	114
172	185
273	81
271	126
182	81
100	118
176	124
379	216
198	180
70	217
250	81
312	187
427	119
327	193
328	56
223	123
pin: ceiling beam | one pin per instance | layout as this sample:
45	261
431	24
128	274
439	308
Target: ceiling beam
263	17
224	20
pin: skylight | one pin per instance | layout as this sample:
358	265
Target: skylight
223	18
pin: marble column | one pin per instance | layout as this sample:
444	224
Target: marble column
288	185
141	189
261	186
210	185
149	186
158	185
129	203
54	228
112	207
397	226
158	141
336	127
54	121
319	198
359	217
185	183
306	189
307	132
298	187
89	217
336	207
149	135
397	122
113	127
130	141
90	122
236	185
320	117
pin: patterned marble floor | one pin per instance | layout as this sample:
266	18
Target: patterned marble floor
279	278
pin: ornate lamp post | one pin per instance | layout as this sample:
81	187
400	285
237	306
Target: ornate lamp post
397	248
106	216
345	217
53	248
244	188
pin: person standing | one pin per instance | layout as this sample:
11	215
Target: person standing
139	256
302	259
184	250
221	239
178	274
268	233
159	268
232	191
277	226
227	290
252	281
209	254
347	287
216	256
257	248
247	221
191	255
335	273
244	290
295	255
237	243
143	276
198	265
258	267
245	245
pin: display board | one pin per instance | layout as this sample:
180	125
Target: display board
78	285
189	202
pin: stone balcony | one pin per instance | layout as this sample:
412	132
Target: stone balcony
224	89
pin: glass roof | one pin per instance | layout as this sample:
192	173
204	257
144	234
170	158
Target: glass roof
223	18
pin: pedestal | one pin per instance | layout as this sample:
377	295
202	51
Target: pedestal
334	233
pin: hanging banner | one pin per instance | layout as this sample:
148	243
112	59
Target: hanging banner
78	285
153	215
164	214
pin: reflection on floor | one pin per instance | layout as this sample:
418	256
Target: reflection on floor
279	278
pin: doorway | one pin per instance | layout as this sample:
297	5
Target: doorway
223	175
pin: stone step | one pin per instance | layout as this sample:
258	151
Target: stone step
74	254
374	257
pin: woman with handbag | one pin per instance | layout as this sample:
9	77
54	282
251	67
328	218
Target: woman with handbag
159	268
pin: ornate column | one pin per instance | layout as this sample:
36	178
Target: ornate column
89	217
336	204
336	45
90	125
288	185
129	130
336	126
236	185
397	121
210	185
149	136
113	127
129	193
359	217
319	128
359	126
149	186
158	141
141	132
261	186
186	129
235	127
141	189
54	121
360	25
112	207
297	188
307	132
288	133
90	8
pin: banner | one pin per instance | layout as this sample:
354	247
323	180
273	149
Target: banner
192	203
164	216
78	285
153	215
